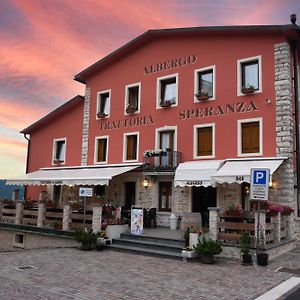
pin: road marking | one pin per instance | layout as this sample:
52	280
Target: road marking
280	290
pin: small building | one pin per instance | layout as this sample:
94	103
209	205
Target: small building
175	119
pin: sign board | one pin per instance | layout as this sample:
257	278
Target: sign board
259	184
85	192
137	223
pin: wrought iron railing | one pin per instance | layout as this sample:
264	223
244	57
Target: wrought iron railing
167	162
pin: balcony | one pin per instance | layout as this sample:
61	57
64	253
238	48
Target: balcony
161	160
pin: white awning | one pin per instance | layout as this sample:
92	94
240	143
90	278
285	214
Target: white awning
196	173
88	175
239	170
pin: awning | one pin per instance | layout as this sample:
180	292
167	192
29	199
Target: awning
239	170
88	175
196	173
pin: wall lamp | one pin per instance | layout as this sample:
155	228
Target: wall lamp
146	183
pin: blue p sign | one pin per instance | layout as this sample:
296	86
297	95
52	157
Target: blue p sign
259	177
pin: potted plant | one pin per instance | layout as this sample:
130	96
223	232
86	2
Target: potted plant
130	109
202	95
101	115
87	238
57	161
101	241
186	237
165	103
207	248
245	244
249	89
261	254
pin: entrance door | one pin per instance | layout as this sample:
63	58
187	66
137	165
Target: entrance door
129	194
202	198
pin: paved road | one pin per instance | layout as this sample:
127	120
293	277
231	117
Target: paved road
73	274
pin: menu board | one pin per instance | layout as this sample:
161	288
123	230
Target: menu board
137	223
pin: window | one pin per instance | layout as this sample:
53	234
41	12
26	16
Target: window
132	98
249	76
131	147
103	104
204	141
204	85
59	151
167	91
99	190
165	196
101	149
250	137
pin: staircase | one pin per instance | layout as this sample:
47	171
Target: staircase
149	245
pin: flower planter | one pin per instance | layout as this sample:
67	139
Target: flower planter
201	97
101	115
247	259
207	258
262	259
131	109
115	231
189	254
165	104
248	90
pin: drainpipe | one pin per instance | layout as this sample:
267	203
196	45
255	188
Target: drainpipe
27	161
294	46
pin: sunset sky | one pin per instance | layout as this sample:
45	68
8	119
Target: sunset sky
44	43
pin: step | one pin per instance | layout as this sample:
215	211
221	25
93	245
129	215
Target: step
147	244
151	239
146	251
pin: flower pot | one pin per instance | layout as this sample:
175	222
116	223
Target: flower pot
262	259
247	259
248	90
84	246
130	109
202	97
165	104
101	115
207	258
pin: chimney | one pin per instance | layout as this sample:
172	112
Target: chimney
293	19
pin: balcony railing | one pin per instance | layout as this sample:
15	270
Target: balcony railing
167	162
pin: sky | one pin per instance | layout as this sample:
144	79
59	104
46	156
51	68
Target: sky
44	43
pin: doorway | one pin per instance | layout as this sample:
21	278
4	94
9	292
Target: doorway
129	195
202	199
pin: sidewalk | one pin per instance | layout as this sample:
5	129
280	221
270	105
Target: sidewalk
73	274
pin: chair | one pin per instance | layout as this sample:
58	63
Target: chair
152	217
146	218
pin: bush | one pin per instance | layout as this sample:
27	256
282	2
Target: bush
208	246
86	237
245	243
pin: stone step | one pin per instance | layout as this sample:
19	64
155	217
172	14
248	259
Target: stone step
146	251
151	239
141	243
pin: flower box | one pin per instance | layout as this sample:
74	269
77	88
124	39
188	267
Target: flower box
248	90
115	231
101	115
201	96
131	109
57	161
189	253
165	103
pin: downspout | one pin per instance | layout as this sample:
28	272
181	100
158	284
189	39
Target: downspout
27	162
296	97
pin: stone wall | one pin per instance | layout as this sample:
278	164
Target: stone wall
284	122
85	129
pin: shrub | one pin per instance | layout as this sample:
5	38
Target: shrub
208	247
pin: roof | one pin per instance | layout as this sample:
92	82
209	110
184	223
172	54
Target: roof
291	30
53	114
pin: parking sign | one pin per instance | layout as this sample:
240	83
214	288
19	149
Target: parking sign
259	184
85	192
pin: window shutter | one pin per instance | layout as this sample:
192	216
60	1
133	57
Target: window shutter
204	141
250	137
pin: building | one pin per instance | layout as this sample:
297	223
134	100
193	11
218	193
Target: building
175	119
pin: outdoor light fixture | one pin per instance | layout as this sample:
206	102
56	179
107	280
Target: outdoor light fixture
146	183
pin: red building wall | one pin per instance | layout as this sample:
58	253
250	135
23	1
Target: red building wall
67	125
221	50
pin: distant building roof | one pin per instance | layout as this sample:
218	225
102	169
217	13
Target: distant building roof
54	114
291	30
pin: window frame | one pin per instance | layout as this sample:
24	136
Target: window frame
162	129
158	89
240	63
239	136
127	87
96	149
126	134
98	102
196	126
196	82
54	147
170	200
